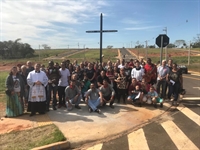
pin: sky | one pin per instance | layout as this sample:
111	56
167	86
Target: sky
63	23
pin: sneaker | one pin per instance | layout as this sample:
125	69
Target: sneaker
54	108
69	108
90	110
98	111
161	105
77	107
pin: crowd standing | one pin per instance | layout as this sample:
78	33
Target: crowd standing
68	83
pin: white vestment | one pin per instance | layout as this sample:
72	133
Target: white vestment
37	92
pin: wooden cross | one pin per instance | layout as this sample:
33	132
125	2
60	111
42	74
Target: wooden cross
101	35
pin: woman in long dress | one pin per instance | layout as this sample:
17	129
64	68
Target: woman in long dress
14	90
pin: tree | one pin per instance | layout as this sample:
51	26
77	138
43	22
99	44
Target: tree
179	43
139	46
14	49
196	44
45	46
170	45
152	46
109	47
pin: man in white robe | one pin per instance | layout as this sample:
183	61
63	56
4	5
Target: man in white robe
37	80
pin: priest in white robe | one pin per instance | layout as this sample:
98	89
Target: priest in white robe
37	80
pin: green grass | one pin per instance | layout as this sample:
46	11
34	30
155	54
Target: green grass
93	55
3	76
32	138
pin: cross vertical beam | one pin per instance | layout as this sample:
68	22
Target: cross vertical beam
101	34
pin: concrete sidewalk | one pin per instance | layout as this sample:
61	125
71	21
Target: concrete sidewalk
81	127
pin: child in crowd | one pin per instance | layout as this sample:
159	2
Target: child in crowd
135	95
152	97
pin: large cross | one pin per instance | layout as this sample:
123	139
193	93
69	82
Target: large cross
101	35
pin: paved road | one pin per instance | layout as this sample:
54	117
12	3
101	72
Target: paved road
126	55
179	129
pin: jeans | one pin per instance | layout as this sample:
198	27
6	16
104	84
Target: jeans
174	89
162	84
61	95
94	103
49	89
72	101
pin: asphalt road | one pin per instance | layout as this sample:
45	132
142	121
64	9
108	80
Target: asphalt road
126	55
177	129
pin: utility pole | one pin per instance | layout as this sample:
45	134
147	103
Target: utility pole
39	52
78	45
189	51
131	44
146	49
165	29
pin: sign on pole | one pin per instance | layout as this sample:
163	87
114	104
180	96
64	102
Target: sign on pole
162	41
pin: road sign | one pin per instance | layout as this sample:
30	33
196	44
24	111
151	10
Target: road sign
162	40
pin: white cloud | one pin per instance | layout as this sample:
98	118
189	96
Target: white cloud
46	21
142	28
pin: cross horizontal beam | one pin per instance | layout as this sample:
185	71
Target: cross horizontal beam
98	31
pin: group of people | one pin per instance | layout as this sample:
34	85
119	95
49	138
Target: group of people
67	84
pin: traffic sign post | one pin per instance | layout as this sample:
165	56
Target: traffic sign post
162	41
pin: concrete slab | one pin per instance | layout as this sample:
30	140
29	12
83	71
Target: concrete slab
80	126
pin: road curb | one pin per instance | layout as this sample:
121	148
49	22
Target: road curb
57	146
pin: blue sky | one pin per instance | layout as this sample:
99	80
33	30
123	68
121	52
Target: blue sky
62	23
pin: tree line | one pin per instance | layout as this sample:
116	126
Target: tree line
15	49
178	44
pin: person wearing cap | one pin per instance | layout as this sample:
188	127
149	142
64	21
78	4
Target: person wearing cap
107	93
72	96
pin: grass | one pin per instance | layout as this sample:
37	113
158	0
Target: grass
3	76
32	138
93	55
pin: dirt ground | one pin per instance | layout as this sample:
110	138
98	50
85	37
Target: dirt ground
171	54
